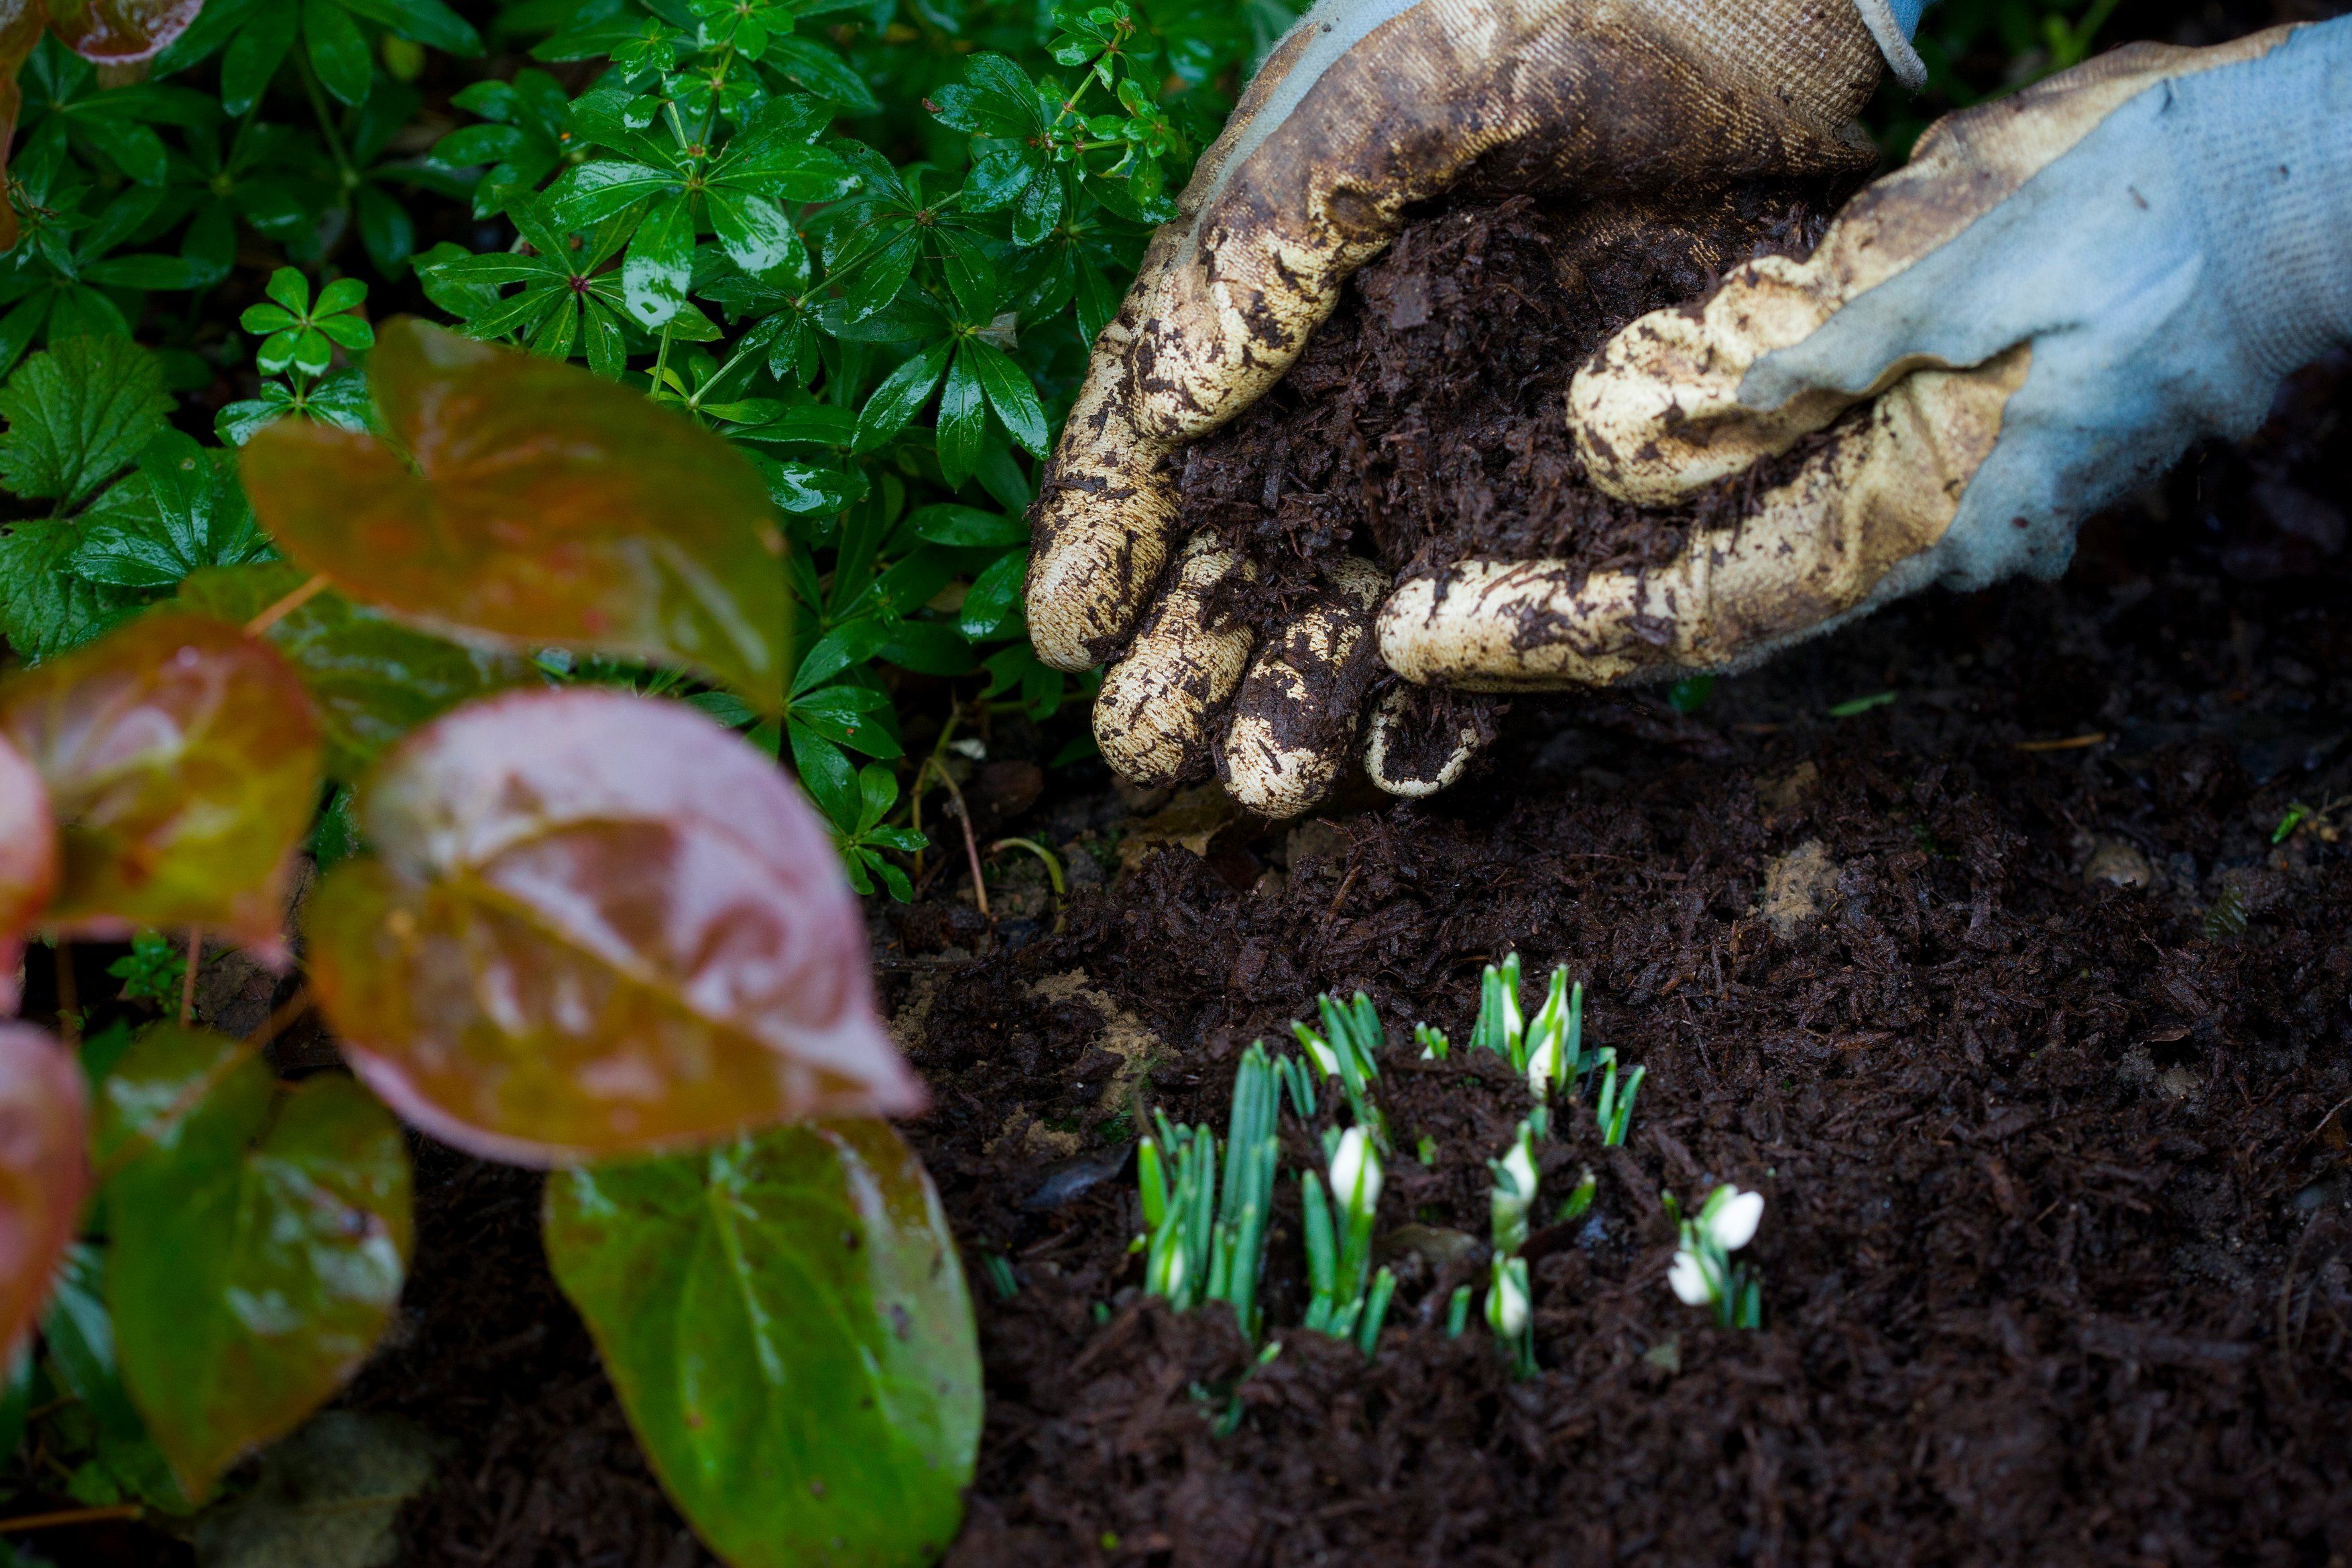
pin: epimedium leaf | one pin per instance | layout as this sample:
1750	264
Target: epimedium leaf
121	32
44	1171
181	760
29	862
549	507
601	923
77	415
373	678
260	1234
785	1320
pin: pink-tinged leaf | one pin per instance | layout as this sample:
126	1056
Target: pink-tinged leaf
28	861
546	506
44	1171
20	33
600	925
182	759
121	32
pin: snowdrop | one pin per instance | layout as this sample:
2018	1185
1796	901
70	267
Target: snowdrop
1704	1274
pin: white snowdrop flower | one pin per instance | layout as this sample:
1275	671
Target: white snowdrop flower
1543	1064
1356	1172
1507	1299
1688	1278
1731	1221
1326	1060
1514	1021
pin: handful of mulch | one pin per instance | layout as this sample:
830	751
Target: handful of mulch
1426	422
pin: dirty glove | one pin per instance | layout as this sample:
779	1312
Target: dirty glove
2060	293
1366	106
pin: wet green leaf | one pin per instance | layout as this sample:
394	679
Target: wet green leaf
182	510
44	1134
76	417
373	678
785	1321
260	1234
181	762
601	923
548	506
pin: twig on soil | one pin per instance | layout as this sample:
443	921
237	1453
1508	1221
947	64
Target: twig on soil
971	845
64	1517
2072	743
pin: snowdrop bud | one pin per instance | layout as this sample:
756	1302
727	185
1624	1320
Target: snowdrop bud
1520	1165
1514	1021
1506	1299
1543	1064
1319	1050
1172	1274
1731	1217
1688	1278
1356	1172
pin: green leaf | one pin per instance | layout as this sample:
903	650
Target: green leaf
45	608
254	57
339	51
260	1236
77	414
601	923
823	72
995	596
850	716
425	22
785	1320
374	679
661	263
1011	394
969	526
964	420
901	396
185	510
753	232
828	775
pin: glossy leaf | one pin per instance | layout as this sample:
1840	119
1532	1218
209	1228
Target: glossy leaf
372	679
547	507
121	32
785	1321
44	1134
78	415
181	760
28	861
601	923
260	1234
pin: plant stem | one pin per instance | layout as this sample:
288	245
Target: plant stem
64	1517
286	605
326	124
188	979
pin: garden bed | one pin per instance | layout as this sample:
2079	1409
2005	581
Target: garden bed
2036	1044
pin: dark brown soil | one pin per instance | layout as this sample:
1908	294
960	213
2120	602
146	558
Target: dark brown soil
1426	422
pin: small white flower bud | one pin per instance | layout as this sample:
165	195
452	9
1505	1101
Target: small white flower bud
1356	1172
1688	1278
1506	1301
1543	1064
1520	1165
1731	1220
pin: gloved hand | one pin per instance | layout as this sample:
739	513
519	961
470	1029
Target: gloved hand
2059	294
1366	106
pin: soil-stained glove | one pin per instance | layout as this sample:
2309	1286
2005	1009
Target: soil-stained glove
2063	291
1367	106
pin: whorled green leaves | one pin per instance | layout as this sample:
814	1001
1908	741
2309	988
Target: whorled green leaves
784	1319
260	1232
544	506
601	923
181	762
373	678
28	861
44	1131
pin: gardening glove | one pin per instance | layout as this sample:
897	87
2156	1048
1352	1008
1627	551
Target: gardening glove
2060	292
1367	106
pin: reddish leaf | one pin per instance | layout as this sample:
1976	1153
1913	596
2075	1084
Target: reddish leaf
546	506
121	32
20	31
600	925
182	759
28	861
44	1131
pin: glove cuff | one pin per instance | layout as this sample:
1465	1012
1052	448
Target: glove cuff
1891	24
